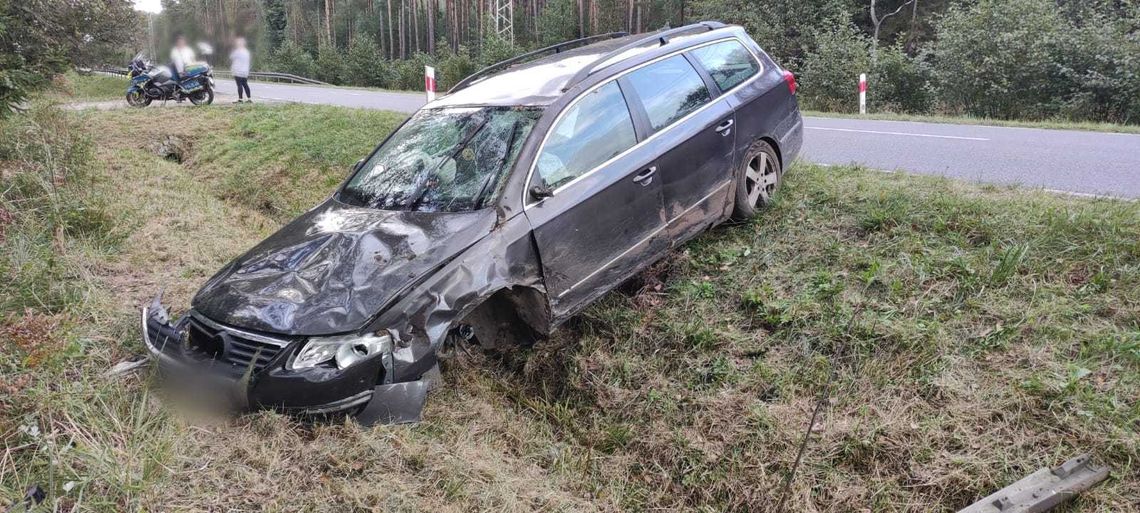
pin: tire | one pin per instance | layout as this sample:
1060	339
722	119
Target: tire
138	99
758	179
203	97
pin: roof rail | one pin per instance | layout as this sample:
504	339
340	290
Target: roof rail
662	36
552	48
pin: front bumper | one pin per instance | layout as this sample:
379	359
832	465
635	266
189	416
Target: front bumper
256	382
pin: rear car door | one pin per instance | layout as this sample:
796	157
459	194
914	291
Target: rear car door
604	219
758	102
694	133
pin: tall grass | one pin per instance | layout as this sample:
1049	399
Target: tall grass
976	333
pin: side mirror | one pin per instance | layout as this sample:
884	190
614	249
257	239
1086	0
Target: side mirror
541	191
358	165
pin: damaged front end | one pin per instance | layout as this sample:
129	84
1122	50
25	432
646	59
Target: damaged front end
244	369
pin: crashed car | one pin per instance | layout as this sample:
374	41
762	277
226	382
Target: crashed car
490	217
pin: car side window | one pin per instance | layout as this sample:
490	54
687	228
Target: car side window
729	63
669	90
595	129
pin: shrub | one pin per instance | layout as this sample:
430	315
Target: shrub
330	65
363	65
1101	69
830	75
453	67
409	74
899	83
1001	59
291	58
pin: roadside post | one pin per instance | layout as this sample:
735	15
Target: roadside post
429	82
862	93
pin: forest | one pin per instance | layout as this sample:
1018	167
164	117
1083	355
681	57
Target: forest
1076	60
1008	59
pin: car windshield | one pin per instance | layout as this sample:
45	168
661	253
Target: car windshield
443	160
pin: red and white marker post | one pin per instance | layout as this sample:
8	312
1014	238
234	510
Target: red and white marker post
862	93
429	82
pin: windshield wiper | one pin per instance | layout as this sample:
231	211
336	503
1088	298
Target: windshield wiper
481	196
421	189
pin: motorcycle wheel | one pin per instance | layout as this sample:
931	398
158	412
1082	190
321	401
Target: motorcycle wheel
203	97
138	99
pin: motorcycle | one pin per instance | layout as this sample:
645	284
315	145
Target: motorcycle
150	83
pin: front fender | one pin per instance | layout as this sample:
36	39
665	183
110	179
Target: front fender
422	318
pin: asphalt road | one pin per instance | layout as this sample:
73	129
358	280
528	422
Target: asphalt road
1060	160
327	95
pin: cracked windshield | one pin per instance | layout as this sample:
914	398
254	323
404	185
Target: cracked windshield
443	160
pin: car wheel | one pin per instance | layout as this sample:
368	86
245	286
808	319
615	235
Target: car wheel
758	180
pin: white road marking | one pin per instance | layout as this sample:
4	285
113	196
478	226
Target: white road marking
898	133
1022	186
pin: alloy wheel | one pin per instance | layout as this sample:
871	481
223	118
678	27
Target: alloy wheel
760	180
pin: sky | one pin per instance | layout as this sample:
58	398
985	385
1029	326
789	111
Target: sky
148	5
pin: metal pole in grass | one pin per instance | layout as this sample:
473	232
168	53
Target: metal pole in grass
429	83
862	93
823	395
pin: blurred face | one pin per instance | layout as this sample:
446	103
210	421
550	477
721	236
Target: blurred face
239	42
180	42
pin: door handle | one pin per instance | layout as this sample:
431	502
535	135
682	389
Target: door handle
645	177
725	128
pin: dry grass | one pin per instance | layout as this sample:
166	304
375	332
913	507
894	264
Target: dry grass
976	334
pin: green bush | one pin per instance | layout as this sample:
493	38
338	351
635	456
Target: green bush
899	83
1001	59
829	77
330	65
1100	65
409	74
291	58
453	67
363	65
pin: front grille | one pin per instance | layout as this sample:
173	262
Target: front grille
208	340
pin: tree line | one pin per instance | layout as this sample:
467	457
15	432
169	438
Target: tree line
40	39
1017	59
1012	59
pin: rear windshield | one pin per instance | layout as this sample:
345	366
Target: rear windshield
443	160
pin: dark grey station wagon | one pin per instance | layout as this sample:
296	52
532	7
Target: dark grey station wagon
491	216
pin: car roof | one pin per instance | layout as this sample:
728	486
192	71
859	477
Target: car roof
541	82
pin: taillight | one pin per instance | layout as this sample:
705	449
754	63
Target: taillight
790	79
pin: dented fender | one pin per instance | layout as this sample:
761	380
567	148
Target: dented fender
503	260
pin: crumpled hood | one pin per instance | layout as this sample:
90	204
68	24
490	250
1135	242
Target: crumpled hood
332	269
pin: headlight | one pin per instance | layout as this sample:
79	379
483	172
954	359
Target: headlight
343	350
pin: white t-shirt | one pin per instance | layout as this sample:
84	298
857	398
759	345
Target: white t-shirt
239	62
181	57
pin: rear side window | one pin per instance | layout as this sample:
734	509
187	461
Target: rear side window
728	62
669	90
593	130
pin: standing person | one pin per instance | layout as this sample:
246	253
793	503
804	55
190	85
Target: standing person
239	66
180	57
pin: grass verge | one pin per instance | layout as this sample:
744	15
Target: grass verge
1086	126
73	87
976	334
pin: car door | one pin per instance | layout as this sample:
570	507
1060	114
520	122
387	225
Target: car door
757	100
695	136
603	218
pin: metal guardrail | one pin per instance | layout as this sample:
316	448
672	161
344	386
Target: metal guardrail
269	76
272	76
